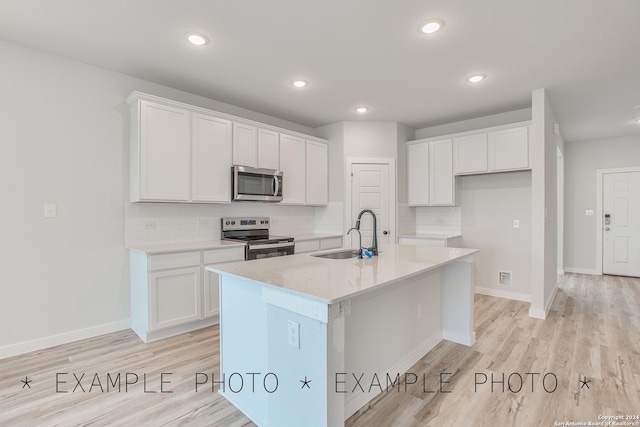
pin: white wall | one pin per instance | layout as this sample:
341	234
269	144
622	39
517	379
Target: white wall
370	139
65	141
543	204
405	216
582	159
489	204
476	123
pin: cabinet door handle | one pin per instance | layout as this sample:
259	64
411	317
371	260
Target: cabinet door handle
385	232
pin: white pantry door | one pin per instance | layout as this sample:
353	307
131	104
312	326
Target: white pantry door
370	190
621	224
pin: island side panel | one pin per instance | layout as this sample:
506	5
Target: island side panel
457	301
243	347
303	397
387	332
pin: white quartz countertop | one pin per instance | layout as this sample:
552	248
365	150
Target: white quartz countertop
333	280
160	248
431	235
314	236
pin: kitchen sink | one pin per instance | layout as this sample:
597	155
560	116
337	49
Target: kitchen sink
339	255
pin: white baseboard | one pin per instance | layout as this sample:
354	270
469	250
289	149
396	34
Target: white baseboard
501	293
359	399
581	271
467	340
542	314
65	338
537	313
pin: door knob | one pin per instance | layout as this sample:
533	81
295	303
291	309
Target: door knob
606	229
385	232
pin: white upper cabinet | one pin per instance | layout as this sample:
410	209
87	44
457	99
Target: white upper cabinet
182	153
255	147
470	154
293	167
160	151
178	155
509	149
268	149
418	174
317	173
245	145
499	149
211	159
430	173
441	172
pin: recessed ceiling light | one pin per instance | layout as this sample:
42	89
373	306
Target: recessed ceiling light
197	39
431	26
476	78
362	109
638	121
299	83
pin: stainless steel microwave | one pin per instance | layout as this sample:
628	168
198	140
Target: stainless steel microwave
261	185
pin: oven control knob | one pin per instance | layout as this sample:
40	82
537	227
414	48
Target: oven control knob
228	222
233	223
266	222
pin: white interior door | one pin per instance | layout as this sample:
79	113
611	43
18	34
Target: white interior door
621	224
370	190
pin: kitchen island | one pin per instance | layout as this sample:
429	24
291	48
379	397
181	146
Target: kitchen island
308	340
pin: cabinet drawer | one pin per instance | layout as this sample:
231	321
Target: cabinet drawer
174	260
334	242
307	246
224	255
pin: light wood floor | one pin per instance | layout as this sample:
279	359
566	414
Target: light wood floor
592	333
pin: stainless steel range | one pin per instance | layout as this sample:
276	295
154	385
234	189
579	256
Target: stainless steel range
255	232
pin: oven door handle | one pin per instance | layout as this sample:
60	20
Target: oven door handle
270	245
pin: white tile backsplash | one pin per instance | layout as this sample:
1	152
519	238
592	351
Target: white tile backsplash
330	218
444	219
179	222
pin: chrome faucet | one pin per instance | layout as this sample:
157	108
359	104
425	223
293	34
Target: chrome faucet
374	242
359	252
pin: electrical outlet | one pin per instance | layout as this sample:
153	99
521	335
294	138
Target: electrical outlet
588	212
203	223
50	210
293	333
419	311
516	223
149	225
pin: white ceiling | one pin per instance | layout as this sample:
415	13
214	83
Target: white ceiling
362	52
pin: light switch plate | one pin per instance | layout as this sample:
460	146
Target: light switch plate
588	212
50	210
516	223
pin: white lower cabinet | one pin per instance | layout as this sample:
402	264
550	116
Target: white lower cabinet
172	293
175	297
211	287
211	281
